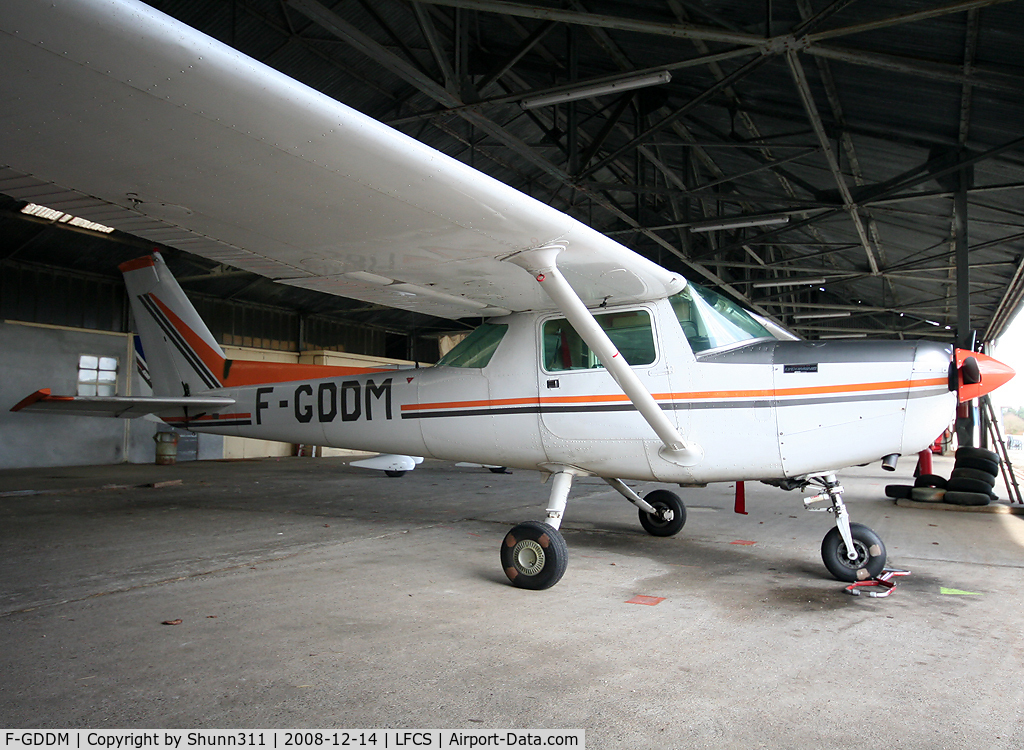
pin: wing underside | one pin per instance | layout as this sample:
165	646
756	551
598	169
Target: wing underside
124	116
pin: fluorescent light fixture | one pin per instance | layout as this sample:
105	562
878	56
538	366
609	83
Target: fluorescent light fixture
813	316
786	282
585	91
844	336
59	217
738	222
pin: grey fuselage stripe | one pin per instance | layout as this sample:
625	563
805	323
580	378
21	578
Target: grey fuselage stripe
676	405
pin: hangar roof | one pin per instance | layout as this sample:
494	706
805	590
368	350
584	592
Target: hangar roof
831	139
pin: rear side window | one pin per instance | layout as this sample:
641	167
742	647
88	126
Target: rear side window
477	348
630	331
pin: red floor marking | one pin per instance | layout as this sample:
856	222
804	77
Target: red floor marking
744	542
650	601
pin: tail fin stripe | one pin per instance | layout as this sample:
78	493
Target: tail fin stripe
179	342
211	358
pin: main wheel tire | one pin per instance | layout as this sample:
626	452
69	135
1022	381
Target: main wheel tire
981	476
498	470
982	453
930	480
394	472
534	555
980	464
668	501
870	560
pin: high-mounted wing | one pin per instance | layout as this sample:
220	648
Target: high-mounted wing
113	111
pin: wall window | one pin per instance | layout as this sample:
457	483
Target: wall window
630	331
97	376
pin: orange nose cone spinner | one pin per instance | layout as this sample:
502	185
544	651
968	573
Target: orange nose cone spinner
993	374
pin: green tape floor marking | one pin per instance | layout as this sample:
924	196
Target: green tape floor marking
957	592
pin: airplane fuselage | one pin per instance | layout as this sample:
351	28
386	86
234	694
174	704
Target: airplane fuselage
763	409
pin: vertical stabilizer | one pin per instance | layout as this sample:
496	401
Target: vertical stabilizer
181	353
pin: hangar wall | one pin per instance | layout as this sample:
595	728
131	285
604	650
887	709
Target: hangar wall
46	356
50	316
41	356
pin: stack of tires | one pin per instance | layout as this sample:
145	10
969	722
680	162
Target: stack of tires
972	481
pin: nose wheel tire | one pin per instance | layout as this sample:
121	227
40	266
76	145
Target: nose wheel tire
870	559
671	514
534	555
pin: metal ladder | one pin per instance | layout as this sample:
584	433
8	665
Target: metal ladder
996	435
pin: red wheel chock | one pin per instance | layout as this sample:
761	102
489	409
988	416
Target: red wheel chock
878	588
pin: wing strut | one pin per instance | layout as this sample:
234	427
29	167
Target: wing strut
541	263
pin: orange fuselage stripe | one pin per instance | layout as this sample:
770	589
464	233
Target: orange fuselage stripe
214	417
246	372
695	396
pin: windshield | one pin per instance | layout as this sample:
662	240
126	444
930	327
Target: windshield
476	349
710	321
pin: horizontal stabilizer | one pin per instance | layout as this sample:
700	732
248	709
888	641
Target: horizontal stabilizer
125	407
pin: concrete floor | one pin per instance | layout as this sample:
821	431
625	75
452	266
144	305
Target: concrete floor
313	594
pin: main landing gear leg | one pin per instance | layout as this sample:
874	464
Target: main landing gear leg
662	513
534	554
850	551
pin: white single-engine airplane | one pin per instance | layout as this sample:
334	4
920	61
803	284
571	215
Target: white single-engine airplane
593	361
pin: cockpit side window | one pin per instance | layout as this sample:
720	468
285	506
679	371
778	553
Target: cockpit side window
477	348
630	331
710	321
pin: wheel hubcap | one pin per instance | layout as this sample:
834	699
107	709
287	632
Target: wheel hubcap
528	557
662	514
859	561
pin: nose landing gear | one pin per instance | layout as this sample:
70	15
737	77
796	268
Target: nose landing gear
850	551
